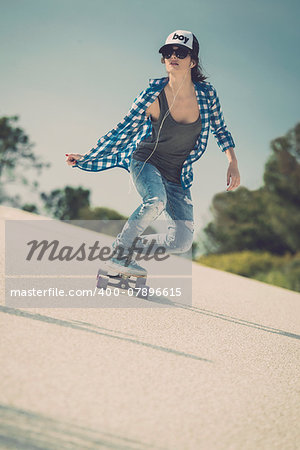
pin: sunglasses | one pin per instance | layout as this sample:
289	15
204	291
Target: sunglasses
180	53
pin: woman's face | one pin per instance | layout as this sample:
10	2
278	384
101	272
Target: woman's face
175	64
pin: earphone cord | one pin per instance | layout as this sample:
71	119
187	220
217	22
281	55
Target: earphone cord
165	116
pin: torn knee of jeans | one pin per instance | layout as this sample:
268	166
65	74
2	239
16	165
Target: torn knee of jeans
157	202
171	240
189	224
188	200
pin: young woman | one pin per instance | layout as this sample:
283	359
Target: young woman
163	134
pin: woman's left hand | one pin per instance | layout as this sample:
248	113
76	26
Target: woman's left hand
233	173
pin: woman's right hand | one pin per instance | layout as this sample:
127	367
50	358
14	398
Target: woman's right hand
72	158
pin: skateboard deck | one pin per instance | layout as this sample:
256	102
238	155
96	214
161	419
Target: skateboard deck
123	281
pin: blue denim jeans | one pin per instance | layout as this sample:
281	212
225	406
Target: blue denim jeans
158	195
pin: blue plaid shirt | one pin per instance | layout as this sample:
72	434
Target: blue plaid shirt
115	148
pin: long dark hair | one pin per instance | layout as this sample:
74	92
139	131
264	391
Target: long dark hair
197	71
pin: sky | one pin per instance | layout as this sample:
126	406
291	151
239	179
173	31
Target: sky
70	69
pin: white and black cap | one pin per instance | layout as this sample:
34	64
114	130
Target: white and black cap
182	38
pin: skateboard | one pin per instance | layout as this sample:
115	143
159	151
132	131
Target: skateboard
123	281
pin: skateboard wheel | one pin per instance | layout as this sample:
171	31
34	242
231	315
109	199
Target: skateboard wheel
140	282
102	281
102	272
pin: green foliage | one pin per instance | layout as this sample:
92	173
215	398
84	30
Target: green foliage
287	276
244	263
282	170
241	223
101	219
267	218
283	271
73	204
29	207
99	213
16	157
65	204
104	220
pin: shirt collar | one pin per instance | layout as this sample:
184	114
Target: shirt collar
158	81
161	82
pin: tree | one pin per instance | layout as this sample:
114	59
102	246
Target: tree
240	223
65	204
99	213
73	204
265	219
101	219
282	170
16	157
282	184
29	207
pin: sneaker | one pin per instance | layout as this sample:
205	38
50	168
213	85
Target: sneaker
122	266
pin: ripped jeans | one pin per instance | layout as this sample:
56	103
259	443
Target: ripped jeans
158	194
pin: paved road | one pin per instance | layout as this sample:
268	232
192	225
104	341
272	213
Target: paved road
220	372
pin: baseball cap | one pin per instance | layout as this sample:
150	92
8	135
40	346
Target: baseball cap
182	38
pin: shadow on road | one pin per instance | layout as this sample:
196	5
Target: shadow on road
90	329
22	429
238	321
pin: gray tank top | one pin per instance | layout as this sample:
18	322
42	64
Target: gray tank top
176	140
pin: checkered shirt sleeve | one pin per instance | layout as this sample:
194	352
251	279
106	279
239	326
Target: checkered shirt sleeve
112	147
217	122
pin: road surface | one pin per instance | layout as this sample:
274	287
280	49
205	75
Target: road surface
219	372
